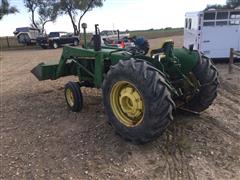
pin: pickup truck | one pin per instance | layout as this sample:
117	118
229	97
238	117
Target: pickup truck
57	39
106	34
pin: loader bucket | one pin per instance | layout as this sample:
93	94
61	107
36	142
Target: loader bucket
45	71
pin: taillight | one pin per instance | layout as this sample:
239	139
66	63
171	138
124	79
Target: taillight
122	44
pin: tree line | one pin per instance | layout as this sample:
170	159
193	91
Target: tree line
44	11
230	4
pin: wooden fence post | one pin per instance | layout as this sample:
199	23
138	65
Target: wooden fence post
8	42
231	59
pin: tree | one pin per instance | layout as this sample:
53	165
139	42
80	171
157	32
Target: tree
47	11
74	8
230	4
6	9
216	6
32	5
233	3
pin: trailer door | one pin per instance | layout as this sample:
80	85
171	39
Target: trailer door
191	30
217	41
219	34
239	38
235	21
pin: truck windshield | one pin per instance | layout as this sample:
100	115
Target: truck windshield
25	29
54	34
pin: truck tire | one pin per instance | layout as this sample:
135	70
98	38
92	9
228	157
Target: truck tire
44	47
137	101
207	75
73	96
55	45
75	42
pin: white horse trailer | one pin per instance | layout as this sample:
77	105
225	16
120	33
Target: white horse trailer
213	32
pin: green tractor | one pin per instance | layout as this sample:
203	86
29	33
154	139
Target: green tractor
140	92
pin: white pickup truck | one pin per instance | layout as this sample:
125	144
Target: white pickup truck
106	34
27	35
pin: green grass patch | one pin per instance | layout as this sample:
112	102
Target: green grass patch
154	34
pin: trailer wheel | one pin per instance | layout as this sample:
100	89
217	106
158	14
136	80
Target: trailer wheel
73	96
207	75
137	101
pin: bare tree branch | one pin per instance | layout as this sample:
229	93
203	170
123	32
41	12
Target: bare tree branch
73	7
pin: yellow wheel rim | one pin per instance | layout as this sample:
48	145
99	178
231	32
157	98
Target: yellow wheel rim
127	104
70	97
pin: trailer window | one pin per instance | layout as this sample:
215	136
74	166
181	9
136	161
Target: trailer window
234	22
209	16
186	23
222	15
208	23
190	24
235	15
221	23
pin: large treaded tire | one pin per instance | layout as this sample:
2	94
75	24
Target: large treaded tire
156	96
207	75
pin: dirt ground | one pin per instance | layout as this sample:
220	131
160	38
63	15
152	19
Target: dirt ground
41	139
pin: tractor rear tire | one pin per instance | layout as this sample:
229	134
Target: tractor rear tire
137	101
73	96
207	75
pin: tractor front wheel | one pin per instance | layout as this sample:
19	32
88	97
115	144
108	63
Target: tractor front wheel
137	101
73	96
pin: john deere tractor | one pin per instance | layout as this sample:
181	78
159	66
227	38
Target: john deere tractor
139	92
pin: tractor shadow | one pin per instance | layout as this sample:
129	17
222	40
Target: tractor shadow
168	156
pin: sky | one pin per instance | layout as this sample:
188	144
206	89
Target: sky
116	14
